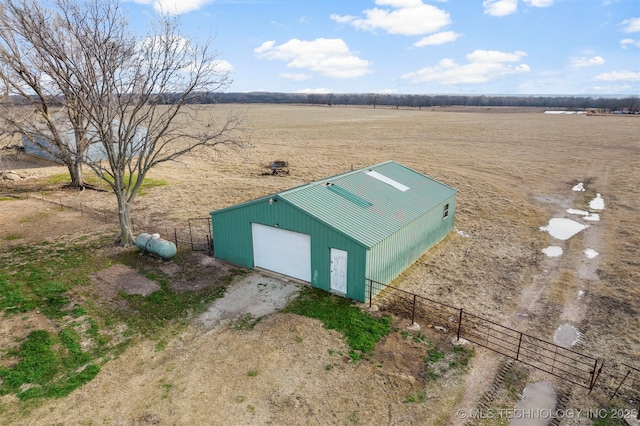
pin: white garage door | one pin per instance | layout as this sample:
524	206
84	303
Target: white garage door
282	251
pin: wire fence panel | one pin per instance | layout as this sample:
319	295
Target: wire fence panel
200	232
623	385
564	363
194	234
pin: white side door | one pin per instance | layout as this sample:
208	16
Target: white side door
339	271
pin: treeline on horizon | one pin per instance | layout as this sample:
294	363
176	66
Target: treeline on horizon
626	104
629	104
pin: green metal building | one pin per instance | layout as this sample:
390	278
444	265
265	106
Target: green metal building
337	232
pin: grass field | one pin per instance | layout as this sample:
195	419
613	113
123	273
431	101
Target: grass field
514	172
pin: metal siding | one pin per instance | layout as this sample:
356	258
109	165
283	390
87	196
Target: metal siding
233	242
390	257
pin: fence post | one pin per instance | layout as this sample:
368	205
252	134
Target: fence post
594	376
190	234
519	345
370	292
413	310
620	385
459	323
175	235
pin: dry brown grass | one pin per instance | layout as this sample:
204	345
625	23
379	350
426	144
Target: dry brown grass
513	171
563	288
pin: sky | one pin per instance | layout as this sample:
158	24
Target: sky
466	47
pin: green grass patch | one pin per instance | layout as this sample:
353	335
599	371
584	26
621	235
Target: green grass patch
146	314
58	179
417	397
39	277
148	183
247	322
92	179
433	354
52	279
361	330
445	362
11	237
50	366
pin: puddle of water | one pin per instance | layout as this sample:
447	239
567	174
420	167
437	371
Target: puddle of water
578	212
578	187
597	203
591	253
537	398
552	251
562	228
585	214
566	335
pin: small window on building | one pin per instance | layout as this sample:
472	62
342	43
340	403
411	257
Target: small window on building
445	211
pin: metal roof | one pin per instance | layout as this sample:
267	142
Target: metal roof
372	203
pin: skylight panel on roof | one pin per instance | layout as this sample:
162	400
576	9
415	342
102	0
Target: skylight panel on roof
387	180
347	195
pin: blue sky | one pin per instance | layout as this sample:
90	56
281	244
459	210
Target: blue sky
491	47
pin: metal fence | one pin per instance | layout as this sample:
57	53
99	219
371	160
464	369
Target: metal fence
624	387
561	362
194	233
569	365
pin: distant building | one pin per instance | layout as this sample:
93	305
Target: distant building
45	149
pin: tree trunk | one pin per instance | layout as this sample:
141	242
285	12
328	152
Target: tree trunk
75	172
124	217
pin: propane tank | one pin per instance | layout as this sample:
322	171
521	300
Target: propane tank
156	245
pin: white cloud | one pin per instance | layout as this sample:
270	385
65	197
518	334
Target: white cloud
539	3
587	62
342	19
500	7
329	57
629	42
631	25
405	17
222	66
264	47
483	66
295	76
614	88
319	91
619	76
438	38
493	56
175	7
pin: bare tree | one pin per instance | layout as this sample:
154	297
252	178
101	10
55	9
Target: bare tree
137	96
37	74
